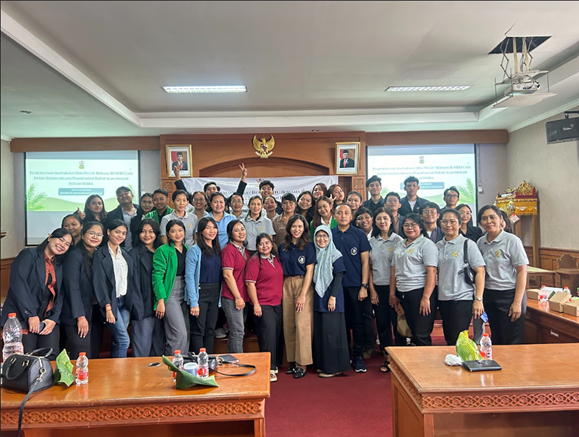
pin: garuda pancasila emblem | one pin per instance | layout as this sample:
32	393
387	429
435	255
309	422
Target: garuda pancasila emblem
263	148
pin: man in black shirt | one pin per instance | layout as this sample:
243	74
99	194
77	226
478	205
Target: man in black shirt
374	187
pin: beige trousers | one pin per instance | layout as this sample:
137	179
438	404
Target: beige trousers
297	327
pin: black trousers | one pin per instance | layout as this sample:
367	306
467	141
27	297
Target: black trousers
456	315
75	344
96	332
268	329
386	319
36	341
158	345
421	326
497	305
359	320
202	328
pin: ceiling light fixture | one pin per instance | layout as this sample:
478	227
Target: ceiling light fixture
395	89
205	89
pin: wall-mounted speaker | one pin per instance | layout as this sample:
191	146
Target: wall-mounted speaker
560	131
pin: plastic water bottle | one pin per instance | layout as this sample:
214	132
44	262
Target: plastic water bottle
203	361
178	362
82	369
486	347
12	337
543	294
566	290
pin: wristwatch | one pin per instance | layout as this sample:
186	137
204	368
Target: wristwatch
365	286
478	298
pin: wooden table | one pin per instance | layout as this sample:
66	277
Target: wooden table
126	398
545	326
535	395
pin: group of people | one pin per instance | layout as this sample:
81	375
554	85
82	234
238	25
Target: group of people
309	274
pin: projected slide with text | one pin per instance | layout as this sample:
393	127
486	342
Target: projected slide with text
437	168
57	183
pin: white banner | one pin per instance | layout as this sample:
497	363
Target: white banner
294	185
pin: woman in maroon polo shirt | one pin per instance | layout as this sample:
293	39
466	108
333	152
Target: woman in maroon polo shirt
264	282
234	293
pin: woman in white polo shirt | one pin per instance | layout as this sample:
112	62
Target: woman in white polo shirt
506	262
458	301
413	279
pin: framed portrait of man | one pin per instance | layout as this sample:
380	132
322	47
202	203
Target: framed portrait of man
347	157
179	155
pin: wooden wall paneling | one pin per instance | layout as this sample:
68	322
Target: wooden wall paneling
83	144
550	256
295	154
5	265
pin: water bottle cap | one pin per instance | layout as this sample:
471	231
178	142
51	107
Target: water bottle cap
202	350
485	334
178	351
82	354
12	315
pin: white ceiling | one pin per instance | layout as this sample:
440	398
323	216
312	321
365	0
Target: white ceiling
96	68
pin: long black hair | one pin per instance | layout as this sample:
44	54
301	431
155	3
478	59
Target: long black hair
89	216
304	238
86	255
230	227
205	248
257	241
156	230
57	233
172	223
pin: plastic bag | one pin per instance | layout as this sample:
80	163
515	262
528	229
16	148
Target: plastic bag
402	326
466	348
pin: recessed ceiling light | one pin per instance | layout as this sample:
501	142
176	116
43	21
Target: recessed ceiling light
427	88
205	89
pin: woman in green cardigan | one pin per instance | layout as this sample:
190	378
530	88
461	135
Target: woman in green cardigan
173	305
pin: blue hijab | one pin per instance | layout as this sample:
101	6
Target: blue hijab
324	271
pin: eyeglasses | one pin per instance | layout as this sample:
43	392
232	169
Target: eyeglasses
322	236
429	212
449	222
410	225
95	234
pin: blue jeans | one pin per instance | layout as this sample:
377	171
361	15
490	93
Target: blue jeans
236	320
121	340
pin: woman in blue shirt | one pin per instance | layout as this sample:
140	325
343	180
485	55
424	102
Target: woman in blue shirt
203	277
298	257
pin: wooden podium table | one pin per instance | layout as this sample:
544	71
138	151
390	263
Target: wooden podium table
125	397
535	395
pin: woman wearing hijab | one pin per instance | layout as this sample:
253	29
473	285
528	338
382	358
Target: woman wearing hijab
331	352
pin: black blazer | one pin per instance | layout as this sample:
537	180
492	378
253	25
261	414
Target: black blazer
78	289
27	284
103	279
418	206
143	278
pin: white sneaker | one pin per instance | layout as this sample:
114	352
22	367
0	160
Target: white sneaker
276	370
272	376
220	333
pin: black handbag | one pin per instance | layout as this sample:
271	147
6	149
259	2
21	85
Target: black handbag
216	361
27	373
467	271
